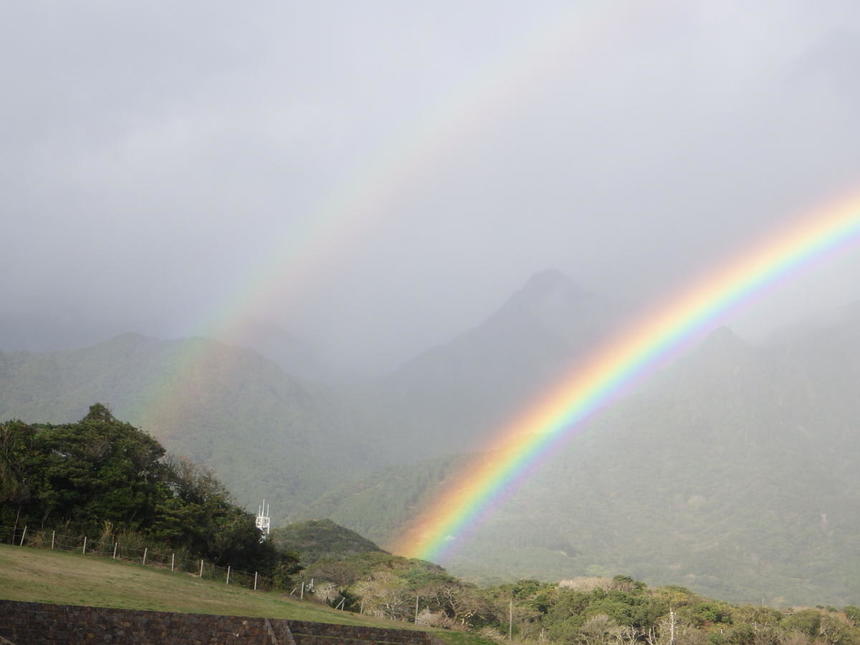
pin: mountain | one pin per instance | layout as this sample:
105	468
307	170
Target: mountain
290	353
264	432
449	397
379	504
732	471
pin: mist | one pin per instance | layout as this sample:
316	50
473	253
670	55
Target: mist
157	161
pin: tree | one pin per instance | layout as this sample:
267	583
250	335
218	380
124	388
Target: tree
102	472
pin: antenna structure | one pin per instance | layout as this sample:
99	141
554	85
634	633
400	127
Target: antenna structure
264	522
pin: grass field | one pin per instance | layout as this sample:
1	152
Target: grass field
36	575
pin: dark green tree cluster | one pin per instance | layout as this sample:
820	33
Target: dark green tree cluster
100	471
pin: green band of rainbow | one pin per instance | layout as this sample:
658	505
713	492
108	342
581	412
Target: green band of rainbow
593	383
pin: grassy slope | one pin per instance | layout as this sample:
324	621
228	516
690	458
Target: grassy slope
35	575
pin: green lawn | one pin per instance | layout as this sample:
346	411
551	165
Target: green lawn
37	575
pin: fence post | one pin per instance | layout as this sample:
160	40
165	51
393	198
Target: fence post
201	569
23	535
255	581
115	545
53	535
172	561
84	548
228	574
302	592
145	549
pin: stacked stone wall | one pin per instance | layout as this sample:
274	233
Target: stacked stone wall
30	623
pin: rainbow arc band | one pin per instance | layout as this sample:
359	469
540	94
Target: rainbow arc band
561	43
518	448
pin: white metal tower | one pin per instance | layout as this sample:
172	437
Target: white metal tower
264	522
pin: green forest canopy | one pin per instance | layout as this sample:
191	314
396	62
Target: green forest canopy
102	472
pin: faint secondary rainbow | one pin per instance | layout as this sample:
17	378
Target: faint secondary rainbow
593	383
399	170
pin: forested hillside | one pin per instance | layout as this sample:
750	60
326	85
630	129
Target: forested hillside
731	472
104	477
265	433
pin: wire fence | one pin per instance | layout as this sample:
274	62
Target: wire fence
133	548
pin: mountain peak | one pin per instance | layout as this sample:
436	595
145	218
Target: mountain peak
548	288
723	338
722	349
550	280
550	303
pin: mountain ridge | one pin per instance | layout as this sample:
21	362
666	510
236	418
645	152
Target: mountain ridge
732	468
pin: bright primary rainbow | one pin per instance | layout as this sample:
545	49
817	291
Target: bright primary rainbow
591	385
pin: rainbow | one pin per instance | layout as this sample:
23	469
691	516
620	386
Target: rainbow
397	173
517	449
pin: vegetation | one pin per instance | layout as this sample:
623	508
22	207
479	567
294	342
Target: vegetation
36	575
296	439
732	472
102	475
315	540
584	611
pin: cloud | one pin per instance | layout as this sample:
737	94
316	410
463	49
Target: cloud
153	154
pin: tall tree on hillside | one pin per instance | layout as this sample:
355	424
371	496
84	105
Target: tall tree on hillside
101	471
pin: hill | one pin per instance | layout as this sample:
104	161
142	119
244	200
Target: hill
732	471
36	575
301	440
197	397
97	582
448	398
315	540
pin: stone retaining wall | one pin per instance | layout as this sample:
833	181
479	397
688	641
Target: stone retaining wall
30	623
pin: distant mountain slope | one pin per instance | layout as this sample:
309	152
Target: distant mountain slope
263	432
378	504
732	472
293	355
320	539
449	397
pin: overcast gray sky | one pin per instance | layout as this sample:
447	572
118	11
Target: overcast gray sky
156	155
